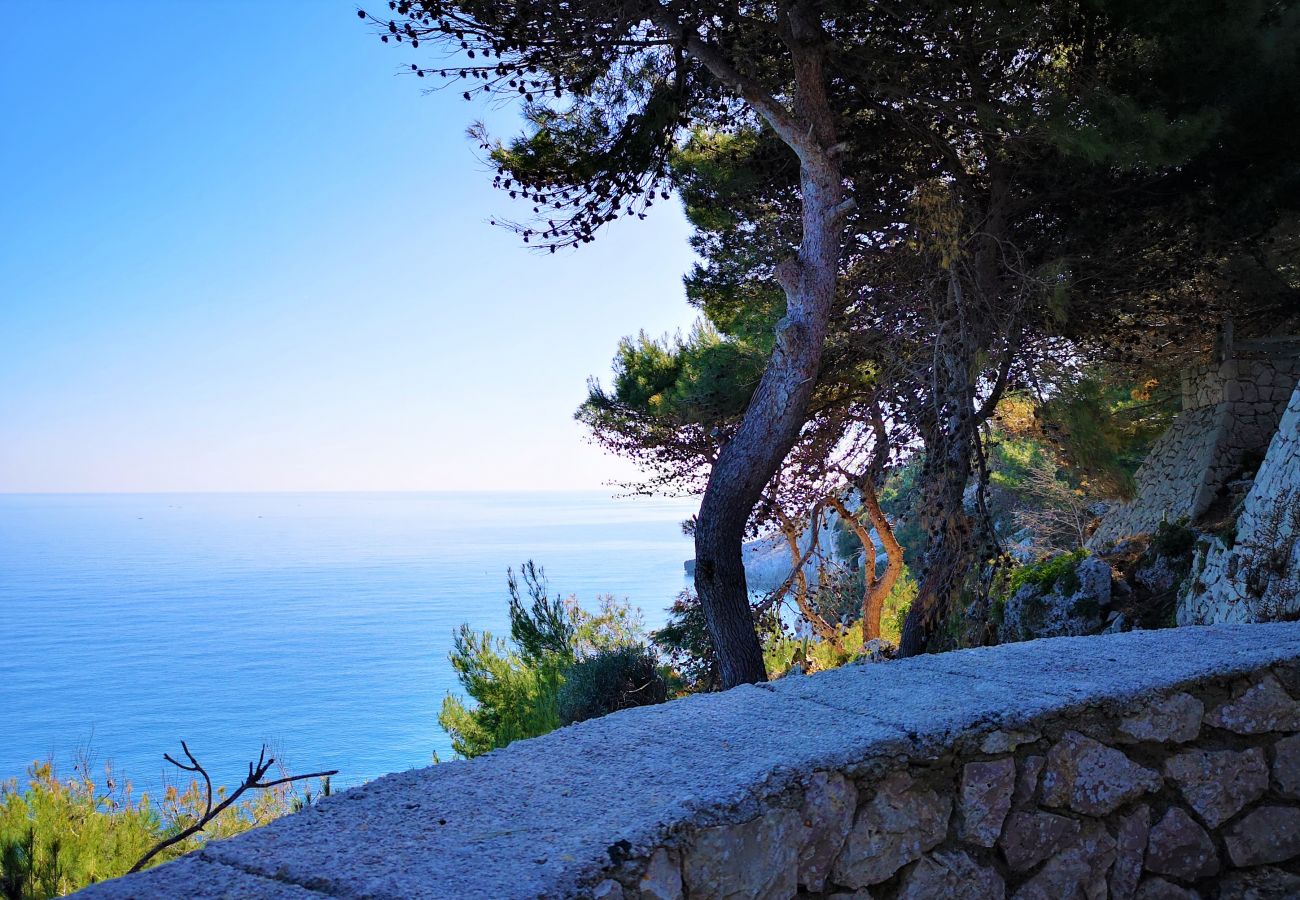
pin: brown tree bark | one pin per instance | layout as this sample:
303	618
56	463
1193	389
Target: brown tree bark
825	630
779	406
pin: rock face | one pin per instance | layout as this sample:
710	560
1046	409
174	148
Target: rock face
1175	719
1076	604
826	817
951	874
1218	784
1270	834
1181	848
1068	768
1262	707
986	789
757	859
1255	576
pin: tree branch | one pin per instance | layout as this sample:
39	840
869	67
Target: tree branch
256	771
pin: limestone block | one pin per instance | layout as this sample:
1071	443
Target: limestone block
1219	784
1006	740
951	874
1264	883
986	789
1130	852
1181	848
1269	834
1077	870
1263	707
1286	766
662	879
1031	837
826	816
609	889
757	859
1175	719
1159	889
1027	773
1091	778
896	826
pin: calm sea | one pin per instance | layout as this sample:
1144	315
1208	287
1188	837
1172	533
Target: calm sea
318	623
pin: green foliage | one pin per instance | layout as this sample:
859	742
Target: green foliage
1173	539
1104	426
59	836
783	650
515	686
610	680
1043	574
685	641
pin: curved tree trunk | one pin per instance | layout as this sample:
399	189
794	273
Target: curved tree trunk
770	427
825	630
779	406
875	588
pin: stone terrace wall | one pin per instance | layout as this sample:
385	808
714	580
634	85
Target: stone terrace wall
1257	578
1158	764
1230	411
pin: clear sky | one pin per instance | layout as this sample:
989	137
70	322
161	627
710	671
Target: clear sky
239	251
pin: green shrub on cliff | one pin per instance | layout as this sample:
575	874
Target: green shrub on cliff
612	679
514	686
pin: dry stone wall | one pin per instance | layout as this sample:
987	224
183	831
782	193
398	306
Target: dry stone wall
1252	573
1153	764
1230	413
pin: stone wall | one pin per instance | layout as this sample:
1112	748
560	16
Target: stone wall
1230	412
1252	573
1153	764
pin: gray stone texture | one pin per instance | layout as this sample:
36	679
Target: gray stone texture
1091	778
1078	869
1130	853
951	874
758	859
1286	767
745	793
1175	719
896	826
986	789
1179	847
1230	410
1218	784
1256	578
1269	834
1073	606
830	801
1261	707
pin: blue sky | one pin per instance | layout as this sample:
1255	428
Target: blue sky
239	251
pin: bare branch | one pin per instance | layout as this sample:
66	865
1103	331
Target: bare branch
256	772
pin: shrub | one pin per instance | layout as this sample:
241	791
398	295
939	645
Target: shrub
515	685
685	641
59	836
1173	539
611	680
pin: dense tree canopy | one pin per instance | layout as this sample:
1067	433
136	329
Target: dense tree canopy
903	209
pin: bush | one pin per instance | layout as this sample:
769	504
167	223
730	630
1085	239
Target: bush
611	680
60	836
515	685
686	642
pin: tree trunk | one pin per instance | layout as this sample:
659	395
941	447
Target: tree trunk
948	429
882	586
770	426
825	630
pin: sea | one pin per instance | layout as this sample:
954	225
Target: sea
316	624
